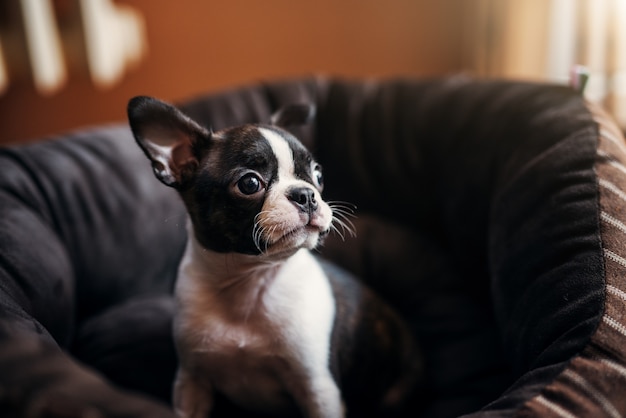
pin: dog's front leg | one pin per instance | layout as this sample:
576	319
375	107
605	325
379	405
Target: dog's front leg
192	399
321	398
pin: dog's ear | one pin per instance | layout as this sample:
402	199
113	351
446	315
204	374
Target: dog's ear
170	139
293	115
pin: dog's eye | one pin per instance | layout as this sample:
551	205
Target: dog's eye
318	178
249	184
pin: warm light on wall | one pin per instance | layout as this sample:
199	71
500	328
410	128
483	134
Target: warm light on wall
541	39
103	37
598	41
115	39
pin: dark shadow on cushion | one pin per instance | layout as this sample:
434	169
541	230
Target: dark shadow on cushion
132	345
455	327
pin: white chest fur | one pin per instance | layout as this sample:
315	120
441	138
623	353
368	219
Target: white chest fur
259	333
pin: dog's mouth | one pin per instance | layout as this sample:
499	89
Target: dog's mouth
296	234
281	229
290	235
304	236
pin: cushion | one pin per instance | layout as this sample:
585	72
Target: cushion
489	214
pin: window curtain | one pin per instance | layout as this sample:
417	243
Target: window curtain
544	39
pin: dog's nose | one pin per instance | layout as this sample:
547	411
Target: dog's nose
303	198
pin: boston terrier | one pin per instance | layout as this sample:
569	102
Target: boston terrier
262	324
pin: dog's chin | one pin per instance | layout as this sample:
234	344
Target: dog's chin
294	240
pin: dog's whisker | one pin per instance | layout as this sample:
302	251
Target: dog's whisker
256	233
334	228
260	234
342	212
345	227
343	216
257	244
258	238
269	235
346	206
345	224
346	220
344	209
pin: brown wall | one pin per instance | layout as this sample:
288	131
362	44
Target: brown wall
200	46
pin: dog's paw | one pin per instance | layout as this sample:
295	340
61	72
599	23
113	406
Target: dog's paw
191	399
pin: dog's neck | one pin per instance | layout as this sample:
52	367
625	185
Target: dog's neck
238	281
224	270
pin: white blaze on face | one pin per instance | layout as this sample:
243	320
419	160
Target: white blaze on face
283	153
280	217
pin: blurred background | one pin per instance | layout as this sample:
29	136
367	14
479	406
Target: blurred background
67	64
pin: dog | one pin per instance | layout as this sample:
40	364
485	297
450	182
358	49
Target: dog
261	322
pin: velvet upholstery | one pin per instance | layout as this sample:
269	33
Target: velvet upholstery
482	218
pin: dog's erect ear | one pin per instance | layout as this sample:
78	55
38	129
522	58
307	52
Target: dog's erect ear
170	139
293	115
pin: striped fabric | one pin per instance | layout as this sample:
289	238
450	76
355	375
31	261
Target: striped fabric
594	383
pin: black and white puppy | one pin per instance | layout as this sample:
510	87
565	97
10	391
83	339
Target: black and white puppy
260	320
